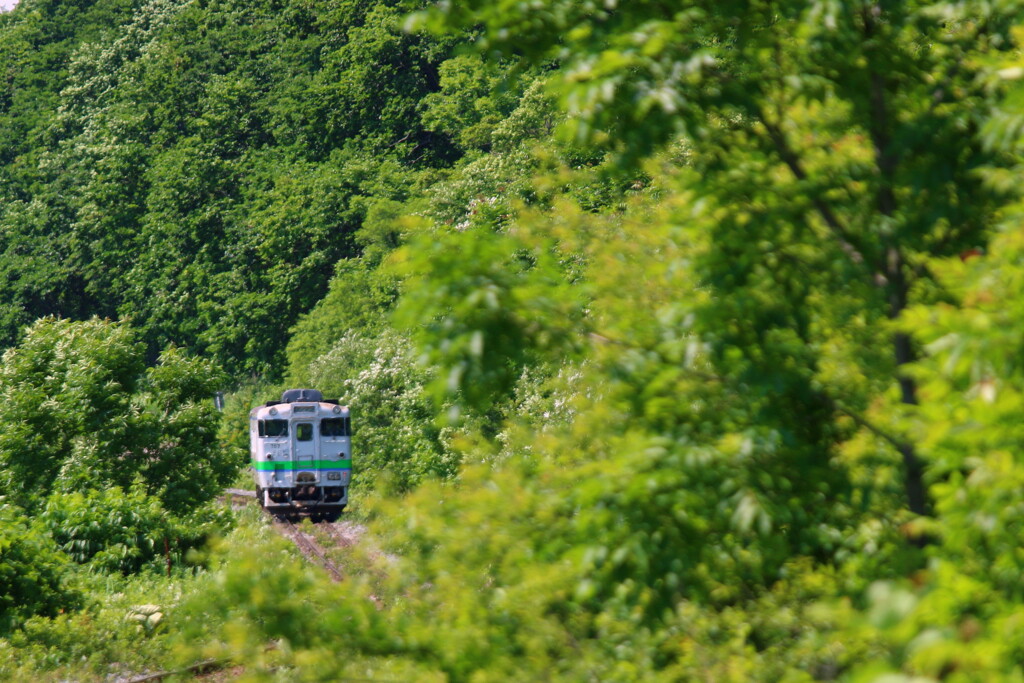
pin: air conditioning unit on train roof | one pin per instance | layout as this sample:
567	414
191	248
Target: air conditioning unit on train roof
302	396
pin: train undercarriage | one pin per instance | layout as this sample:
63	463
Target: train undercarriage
319	503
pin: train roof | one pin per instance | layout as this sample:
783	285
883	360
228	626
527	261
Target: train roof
299	396
302	396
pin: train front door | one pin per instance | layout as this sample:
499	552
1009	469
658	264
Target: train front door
305	447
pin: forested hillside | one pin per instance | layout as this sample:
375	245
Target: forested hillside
681	339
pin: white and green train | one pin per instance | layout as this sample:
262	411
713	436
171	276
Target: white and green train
301	450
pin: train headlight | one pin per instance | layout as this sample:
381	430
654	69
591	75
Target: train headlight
334	475
337	410
273	411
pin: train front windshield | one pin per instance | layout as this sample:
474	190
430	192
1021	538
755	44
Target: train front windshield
273	428
335	426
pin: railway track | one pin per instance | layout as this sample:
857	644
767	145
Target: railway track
309	548
341	539
239	498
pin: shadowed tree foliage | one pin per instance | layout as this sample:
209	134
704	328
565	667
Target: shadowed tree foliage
202	168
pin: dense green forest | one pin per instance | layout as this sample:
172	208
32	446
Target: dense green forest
681	339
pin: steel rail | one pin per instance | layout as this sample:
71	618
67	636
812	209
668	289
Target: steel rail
310	547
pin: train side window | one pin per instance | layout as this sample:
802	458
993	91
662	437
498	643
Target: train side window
273	428
304	431
334	426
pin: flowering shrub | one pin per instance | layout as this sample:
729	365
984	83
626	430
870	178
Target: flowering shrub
394	429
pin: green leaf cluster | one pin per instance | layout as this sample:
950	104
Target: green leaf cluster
33	573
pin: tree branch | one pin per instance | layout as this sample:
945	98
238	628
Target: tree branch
790	158
861	421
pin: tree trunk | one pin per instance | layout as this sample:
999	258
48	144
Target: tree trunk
913	468
896	282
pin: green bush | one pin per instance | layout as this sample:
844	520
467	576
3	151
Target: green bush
81	410
111	530
33	572
121	631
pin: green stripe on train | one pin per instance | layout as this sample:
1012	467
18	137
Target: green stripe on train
288	466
